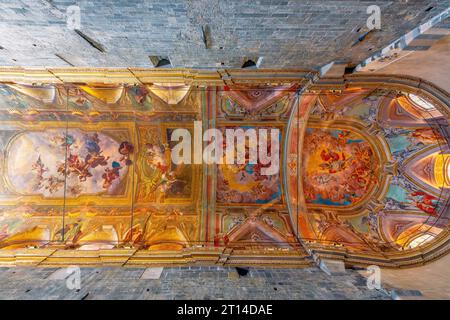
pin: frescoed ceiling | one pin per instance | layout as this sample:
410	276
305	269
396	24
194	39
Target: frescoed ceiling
373	171
89	167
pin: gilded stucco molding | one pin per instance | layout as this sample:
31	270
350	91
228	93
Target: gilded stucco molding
153	75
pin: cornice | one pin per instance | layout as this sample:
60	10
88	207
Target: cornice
152	75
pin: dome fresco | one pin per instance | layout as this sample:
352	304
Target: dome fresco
363	170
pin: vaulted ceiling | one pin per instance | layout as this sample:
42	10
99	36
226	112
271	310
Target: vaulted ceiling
364	169
372	170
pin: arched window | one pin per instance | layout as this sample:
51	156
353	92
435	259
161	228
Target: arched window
421	103
420	240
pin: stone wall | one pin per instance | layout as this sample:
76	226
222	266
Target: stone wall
285	33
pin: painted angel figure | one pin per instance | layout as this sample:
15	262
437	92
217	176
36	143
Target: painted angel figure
94	157
425	202
111	174
126	149
156	157
332	161
40	170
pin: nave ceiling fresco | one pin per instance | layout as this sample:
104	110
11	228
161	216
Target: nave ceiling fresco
364	169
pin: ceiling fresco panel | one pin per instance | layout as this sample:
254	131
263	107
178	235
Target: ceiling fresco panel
251	209
167	210
339	166
245	183
32	187
100	167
